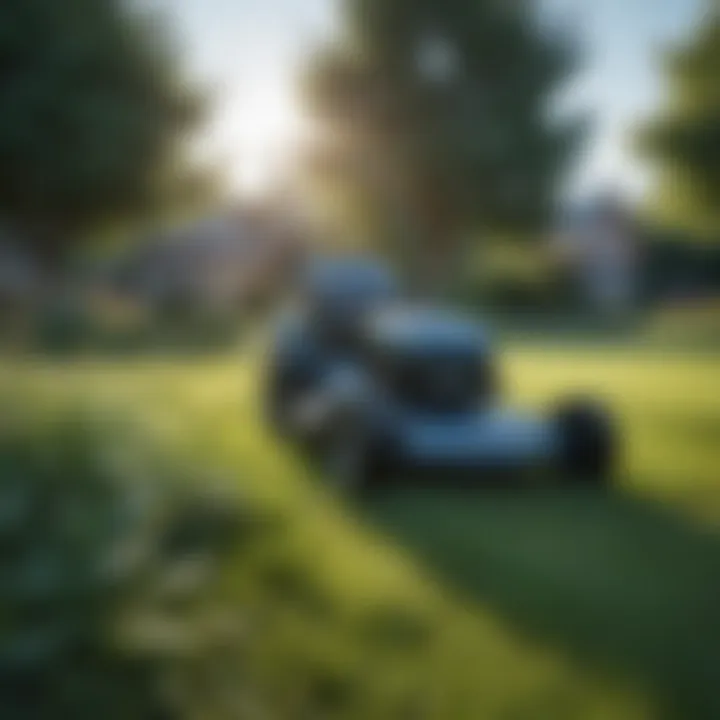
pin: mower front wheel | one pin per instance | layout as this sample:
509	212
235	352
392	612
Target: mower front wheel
588	442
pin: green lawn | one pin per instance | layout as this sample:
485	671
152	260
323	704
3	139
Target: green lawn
515	605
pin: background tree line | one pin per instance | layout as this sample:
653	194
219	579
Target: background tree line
436	118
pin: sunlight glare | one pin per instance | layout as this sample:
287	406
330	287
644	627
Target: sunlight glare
269	131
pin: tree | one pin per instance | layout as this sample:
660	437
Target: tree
93	116
436	118
684	141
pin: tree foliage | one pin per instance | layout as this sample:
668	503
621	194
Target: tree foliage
94	112
441	114
685	139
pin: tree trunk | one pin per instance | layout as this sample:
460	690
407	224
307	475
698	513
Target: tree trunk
439	249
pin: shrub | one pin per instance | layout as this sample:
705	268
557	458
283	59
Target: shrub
515	279
99	600
88	325
679	266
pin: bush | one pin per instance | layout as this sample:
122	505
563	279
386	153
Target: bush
678	266
61	328
98	600
520	294
515	279
96	325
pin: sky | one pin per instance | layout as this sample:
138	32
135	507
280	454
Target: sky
248	51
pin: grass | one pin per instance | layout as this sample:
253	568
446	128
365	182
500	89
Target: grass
528	605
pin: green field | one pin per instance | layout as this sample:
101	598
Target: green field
533	604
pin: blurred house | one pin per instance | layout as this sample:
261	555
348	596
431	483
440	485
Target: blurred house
223	262
597	243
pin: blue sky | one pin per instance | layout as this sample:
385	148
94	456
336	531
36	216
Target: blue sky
248	50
